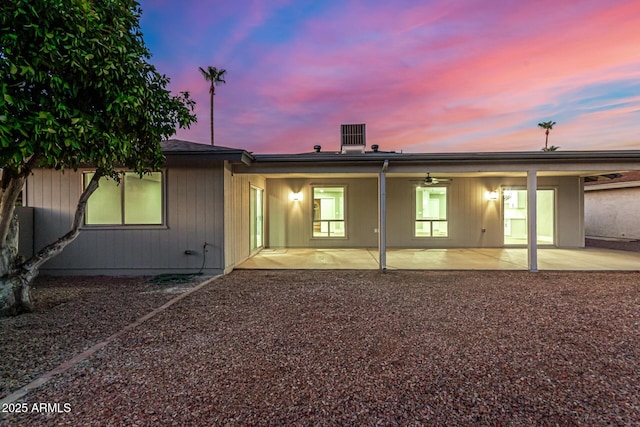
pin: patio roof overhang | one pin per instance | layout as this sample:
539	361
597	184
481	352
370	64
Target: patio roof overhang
565	163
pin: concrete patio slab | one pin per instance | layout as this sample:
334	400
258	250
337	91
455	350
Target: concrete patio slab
589	259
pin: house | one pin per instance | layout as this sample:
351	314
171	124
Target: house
612	206
212	208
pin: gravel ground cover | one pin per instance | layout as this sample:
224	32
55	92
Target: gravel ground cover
364	348
72	314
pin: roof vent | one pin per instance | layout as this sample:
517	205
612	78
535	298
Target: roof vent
353	138
375	148
317	148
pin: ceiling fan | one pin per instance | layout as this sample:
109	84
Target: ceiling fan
431	180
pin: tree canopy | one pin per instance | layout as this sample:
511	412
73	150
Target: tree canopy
77	87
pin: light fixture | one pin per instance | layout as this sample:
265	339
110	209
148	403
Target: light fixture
295	197
493	195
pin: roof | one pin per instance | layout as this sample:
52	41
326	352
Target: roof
571	163
625	180
177	147
631	176
509	156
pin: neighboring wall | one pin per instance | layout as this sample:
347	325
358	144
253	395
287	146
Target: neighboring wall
237	193
612	212
25	231
194	215
289	222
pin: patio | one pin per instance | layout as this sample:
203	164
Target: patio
552	259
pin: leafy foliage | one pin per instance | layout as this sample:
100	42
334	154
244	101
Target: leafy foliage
213	75
76	87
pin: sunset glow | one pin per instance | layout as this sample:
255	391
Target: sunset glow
425	76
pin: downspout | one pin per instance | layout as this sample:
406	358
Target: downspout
382	216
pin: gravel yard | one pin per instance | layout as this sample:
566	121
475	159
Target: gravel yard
336	348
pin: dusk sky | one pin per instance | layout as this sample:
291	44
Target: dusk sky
425	76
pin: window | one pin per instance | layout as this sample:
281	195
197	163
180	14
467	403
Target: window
431	212
328	212
136	201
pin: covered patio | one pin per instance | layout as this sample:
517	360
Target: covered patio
448	211
551	259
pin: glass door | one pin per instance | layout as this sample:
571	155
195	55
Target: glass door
256	222
514	208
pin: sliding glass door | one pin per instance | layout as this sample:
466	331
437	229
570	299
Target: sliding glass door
514	210
256	222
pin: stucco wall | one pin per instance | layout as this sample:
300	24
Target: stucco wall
613	213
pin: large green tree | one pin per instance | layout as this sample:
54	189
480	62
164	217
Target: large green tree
547	126
76	88
215	76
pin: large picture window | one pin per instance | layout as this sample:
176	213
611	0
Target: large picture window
135	201
328	212
431	212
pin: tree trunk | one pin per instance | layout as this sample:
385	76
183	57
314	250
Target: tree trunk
14	297
213	92
17	277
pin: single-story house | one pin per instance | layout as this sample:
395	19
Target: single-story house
212	208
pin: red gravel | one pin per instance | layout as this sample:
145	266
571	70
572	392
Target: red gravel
360	347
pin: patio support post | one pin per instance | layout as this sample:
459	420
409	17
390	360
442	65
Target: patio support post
382	216
532	220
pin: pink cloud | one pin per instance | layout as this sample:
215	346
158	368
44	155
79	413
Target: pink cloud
441	76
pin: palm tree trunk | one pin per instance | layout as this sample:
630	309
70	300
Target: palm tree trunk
546	140
211	112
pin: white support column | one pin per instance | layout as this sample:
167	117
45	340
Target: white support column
382	217
532	220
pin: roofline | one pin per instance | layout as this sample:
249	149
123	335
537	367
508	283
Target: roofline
234	155
579	162
612	185
511	156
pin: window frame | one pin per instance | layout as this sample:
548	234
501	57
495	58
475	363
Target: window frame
447	219
320	221
122	225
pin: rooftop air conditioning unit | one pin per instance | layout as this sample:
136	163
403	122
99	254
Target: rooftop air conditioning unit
353	138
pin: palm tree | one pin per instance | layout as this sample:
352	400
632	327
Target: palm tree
215	76
547	126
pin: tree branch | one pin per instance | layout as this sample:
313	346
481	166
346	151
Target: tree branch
32	265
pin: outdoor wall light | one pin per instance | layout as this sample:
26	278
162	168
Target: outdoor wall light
493	195
295	197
